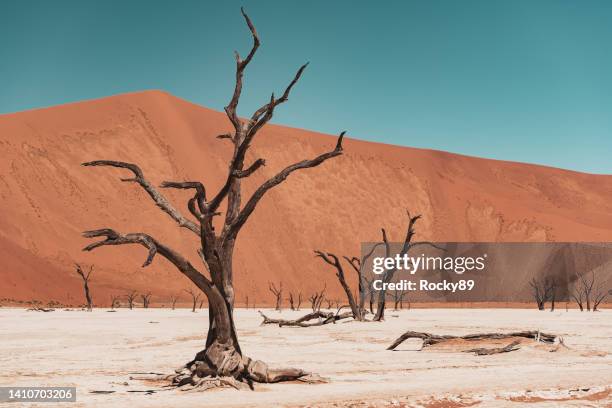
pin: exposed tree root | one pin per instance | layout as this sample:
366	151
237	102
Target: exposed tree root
220	366
322	318
431	339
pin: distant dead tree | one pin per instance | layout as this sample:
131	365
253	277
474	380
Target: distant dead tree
114	301
173	299
295	301
195	296
291	301
370	293
586	291
278	294
316	299
201	303
299	301
146	300
131	297
553	294
542	290
398	299
246	301
333	260
222	355
387	275
85	276
365	288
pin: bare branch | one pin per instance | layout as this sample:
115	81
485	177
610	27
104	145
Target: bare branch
284	98
154	247
232	230
200	196
157	197
250	170
230	109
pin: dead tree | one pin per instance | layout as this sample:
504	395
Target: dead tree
173	299
398	298
85	276
114	301
542	290
195	296
586	291
291	301
333	260
278	294
246	298
553	295
599	297
299	301
131	297
222	355
316	299
388	274
146	300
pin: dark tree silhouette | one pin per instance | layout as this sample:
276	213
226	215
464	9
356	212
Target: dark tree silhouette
388	274
587	291
173	299
316	299
542	290
333	260
146	300
131	297
278	294
195	296
221	355
114	301
85	276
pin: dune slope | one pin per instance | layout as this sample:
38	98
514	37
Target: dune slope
47	199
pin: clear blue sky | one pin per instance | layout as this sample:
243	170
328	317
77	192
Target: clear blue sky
518	80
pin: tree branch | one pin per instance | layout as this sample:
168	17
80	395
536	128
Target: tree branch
200	195
232	229
250	170
157	197
230	109
256	117
114	238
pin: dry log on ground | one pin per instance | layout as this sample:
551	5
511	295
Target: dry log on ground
431	339
482	351
322	319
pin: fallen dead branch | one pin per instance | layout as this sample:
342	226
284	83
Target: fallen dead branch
431	339
40	309
321	317
481	351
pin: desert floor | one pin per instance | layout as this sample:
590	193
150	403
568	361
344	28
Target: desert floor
102	351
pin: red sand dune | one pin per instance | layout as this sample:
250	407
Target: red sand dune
47	199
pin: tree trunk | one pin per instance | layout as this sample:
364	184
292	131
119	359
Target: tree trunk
88	297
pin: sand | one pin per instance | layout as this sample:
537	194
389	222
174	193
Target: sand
98	351
47	199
